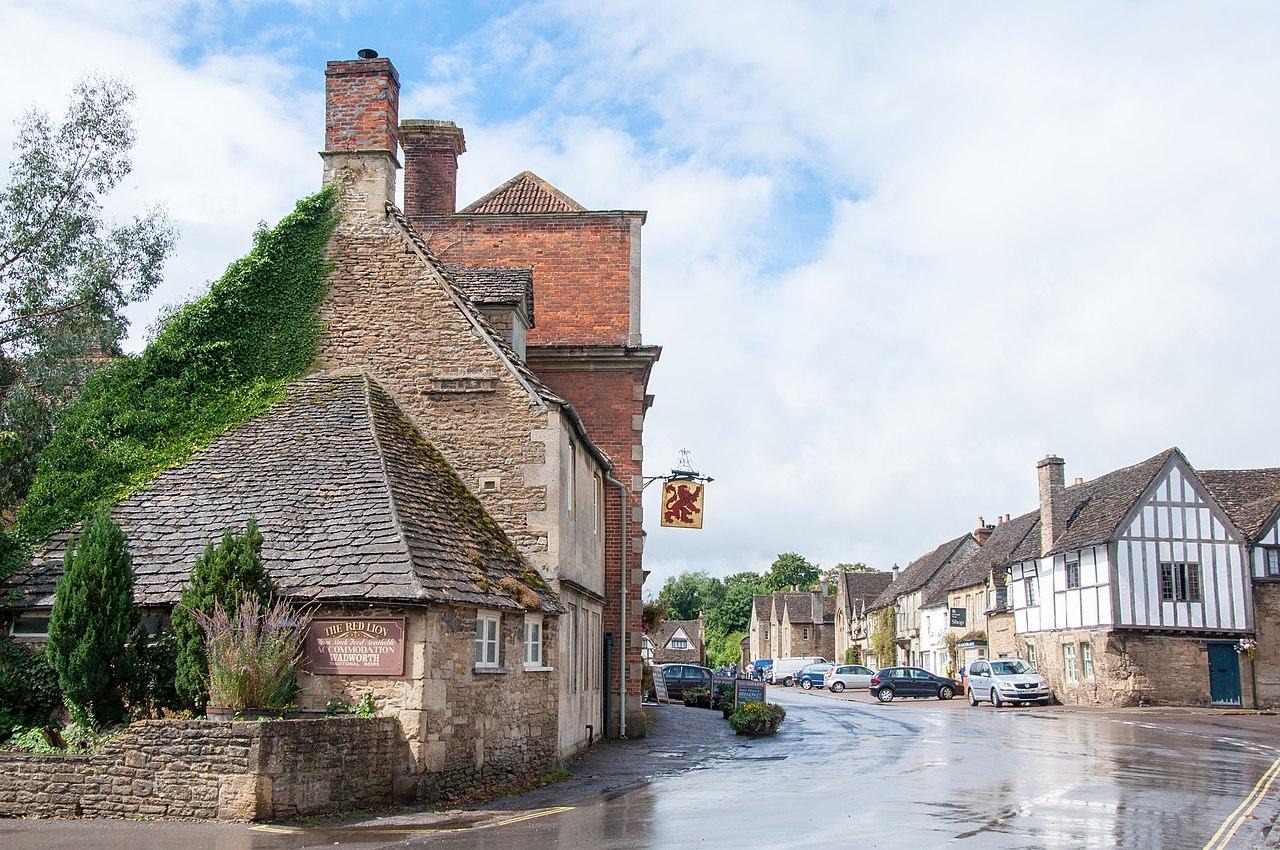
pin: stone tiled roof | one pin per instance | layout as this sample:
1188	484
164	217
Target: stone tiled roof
1094	510
763	606
667	628
526	193
967	569
920	571
496	284
1251	497
352	502
860	588
540	392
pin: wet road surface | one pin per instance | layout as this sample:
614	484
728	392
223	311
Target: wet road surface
844	772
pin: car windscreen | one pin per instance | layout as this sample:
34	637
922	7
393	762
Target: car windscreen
1016	667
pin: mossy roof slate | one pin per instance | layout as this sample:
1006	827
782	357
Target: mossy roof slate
352	502
1251	497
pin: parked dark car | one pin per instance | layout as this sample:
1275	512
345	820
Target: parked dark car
813	676
682	677
915	682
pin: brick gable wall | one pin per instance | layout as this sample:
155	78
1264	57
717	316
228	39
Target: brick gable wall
582	267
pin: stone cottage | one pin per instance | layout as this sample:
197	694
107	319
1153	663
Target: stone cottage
679	641
792	623
364	518
854	590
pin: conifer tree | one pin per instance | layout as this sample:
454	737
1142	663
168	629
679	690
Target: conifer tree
92	623
226	575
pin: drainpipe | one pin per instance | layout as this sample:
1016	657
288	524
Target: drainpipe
622	619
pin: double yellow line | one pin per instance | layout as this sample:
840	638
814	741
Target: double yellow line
1234	820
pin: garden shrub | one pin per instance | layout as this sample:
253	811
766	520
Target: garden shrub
225	576
254	654
697	698
152	689
92	624
29	693
757	718
213	365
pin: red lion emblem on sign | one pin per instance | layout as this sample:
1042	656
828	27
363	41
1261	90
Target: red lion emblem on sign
682	505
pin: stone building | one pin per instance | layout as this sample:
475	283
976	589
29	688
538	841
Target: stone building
679	641
364	518
854	591
587	344
905	595
790	624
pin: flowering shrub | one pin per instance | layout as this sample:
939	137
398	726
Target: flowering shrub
697	697
757	718
254	654
1249	647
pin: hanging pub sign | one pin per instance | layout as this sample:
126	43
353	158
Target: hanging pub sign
682	503
355	646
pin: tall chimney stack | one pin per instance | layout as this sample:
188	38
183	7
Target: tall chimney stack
983	531
1052	474
361	115
431	150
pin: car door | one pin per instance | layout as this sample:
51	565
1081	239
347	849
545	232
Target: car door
858	677
901	679
692	678
922	683
980	679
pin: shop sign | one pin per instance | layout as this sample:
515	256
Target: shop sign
355	646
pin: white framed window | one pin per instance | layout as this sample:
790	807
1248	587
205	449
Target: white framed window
1271	561
30	626
574	655
1073	571
1031	654
594	652
804	633
1029	582
488	629
1086	660
679	643
1069	662
533	640
571	479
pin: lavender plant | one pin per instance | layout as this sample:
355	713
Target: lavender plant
254	653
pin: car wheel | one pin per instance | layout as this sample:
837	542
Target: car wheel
788	682
973	700
946	692
838	687
885	694
806	684
996	702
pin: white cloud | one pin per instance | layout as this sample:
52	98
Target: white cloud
895	253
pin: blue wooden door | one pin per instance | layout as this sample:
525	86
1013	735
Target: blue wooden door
1224	674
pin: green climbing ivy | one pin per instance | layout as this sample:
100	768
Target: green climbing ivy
216	363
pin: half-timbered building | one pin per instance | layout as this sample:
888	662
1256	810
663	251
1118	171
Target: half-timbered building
1139	591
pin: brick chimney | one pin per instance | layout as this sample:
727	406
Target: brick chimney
431	150
983	531
1052	474
361	114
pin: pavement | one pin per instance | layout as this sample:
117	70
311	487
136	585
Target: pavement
842	771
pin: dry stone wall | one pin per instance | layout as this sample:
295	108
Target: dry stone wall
210	769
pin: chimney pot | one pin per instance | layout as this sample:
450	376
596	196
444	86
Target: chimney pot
431	151
367	53
1077	481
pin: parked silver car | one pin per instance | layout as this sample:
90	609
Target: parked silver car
1006	680
848	676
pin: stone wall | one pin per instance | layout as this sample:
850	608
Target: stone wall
461	729
1266	667
1001	640
211	769
1130	668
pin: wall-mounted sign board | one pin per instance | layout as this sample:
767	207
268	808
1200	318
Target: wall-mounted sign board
354	646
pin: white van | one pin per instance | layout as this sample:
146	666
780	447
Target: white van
785	669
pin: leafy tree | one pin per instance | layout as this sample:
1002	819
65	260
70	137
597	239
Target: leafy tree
92	623
689	594
66	274
226	575
792	570
723	648
654	613
733	612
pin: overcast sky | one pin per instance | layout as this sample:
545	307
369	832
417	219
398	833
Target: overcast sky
896	252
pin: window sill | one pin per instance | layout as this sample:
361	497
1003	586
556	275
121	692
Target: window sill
488	671
536	668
